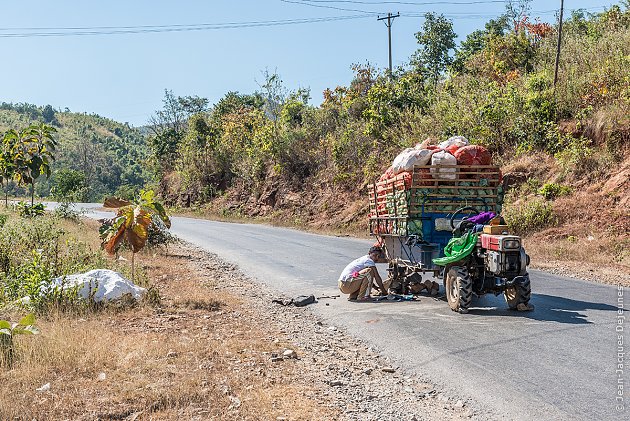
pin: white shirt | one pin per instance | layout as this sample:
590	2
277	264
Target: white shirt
356	266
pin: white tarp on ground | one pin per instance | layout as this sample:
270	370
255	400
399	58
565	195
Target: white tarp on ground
100	285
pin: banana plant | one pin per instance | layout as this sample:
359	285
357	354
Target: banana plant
131	224
8	331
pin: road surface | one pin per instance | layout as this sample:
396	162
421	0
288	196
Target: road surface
558	362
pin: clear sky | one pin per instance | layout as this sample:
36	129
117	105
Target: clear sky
185	46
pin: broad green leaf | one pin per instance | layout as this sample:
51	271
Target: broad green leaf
162	214
28	320
5	324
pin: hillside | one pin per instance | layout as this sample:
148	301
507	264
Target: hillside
270	155
111	156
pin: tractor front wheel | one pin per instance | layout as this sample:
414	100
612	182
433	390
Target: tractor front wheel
458	284
518	295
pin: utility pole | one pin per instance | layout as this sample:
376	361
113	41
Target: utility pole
390	19
555	75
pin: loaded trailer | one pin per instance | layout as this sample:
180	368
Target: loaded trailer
418	215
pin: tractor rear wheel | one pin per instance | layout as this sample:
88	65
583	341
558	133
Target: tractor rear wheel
458	284
519	294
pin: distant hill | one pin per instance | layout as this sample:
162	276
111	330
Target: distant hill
113	156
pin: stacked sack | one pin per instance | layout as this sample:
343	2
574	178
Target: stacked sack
454	151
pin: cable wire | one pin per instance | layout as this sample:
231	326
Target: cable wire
119	30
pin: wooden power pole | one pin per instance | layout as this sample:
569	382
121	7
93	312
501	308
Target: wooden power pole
390	19
555	75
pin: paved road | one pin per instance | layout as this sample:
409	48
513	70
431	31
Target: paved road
557	362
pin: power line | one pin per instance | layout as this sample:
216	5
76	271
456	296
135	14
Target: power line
408	3
321	6
120	30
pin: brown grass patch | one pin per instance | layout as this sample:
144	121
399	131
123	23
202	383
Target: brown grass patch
202	353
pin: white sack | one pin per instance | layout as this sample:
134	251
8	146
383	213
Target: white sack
406	160
459	141
443	158
100	284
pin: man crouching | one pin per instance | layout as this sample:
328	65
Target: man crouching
357	278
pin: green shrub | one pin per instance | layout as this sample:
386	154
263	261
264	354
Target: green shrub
159	235
26	210
66	211
552	190
574	155
529	216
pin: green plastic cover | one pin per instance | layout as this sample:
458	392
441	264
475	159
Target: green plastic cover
457	248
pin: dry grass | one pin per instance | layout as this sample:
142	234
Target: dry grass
203	354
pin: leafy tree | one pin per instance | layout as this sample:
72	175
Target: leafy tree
168	126
477	41
7	162
436	40
69	185
516	12
234	102
33	153
48	114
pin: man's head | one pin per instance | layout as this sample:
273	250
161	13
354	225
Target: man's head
376	253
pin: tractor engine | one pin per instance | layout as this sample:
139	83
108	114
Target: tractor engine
504	255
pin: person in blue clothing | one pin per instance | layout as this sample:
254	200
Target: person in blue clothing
357	278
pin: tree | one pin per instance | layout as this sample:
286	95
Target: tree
477	41
33	153
69	185
436	40
274	93
7	162
516	11
48	114
168	126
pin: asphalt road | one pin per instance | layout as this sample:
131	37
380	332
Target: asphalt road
555	363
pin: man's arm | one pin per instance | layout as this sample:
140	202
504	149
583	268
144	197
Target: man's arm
378	279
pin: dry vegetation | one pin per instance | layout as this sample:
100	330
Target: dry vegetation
188	356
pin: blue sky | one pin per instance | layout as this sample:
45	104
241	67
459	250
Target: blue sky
123	76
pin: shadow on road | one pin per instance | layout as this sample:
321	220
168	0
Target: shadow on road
547	308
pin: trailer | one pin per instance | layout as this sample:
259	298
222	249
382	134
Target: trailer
415	214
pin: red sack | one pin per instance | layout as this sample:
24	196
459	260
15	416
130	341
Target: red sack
473	155
406	176
452	149
424	177
389	173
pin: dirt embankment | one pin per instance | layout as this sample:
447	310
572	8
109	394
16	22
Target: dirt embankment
214	347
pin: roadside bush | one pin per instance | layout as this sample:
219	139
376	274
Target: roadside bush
158	234
26	210
552	190
529	216
66	211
